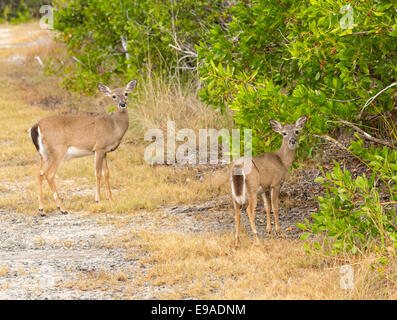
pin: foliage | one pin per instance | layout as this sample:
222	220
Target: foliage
16	11
93	29
282	59
353	212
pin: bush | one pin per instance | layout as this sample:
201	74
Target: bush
93	31
282	59
16	11
355	214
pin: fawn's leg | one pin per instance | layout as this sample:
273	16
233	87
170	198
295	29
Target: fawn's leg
251	214
267	203
99	156
237	216
105	170
275	194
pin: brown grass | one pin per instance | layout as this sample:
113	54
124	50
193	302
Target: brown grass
205	266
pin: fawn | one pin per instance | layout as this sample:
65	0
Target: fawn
263	174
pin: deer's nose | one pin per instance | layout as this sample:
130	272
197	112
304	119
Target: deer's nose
122	104
293	140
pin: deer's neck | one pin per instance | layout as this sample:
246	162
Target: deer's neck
121	121
286	154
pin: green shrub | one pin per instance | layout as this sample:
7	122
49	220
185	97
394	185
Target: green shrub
282	59
17	11
352	215
92	31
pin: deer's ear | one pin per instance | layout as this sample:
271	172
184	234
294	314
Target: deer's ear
131	85
104	89
300	123
276	126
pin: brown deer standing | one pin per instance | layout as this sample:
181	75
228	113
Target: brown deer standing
59	138
264	174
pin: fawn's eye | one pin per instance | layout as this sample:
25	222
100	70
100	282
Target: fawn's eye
126	94
114	97
297	132
284	134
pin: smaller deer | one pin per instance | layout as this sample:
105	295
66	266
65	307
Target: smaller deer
264	174
58	138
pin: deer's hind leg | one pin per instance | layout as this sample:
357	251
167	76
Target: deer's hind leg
237	212
40	177
252	200
49	172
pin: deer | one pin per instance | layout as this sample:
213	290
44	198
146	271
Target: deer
64	137
263	175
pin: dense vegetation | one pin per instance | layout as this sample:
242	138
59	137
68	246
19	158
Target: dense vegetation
16	11
265	59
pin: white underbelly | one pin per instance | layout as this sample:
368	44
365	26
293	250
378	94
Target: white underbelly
74	152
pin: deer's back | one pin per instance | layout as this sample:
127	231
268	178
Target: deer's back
264	170
77	131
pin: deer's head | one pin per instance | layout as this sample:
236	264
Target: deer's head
289	132
119	95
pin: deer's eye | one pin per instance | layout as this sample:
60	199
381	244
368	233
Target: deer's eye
126	94
114	97
284	134
297	132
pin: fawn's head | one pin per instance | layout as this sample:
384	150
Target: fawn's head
119	95
289	132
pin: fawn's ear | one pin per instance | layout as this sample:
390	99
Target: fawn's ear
131	85
300	123
104	89
276	126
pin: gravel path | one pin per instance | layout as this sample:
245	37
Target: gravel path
39	256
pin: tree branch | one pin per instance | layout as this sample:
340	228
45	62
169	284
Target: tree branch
369	101
366	135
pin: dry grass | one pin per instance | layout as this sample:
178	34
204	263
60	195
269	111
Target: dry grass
204	266
100	280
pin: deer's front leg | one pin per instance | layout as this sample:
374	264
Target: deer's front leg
267	204
275	195
106	176
99	156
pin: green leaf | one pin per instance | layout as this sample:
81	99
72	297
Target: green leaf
301	226
304	236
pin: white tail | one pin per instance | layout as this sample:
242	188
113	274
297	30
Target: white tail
58	138
238	186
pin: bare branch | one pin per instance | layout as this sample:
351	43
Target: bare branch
369	101
347	100
124	44
328	138
366	135
75	59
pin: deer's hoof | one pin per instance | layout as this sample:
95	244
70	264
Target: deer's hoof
62	211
